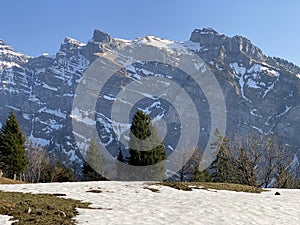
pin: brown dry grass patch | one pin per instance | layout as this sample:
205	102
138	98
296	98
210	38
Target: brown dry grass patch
189	186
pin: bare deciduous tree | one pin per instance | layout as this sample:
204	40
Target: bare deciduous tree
254	160
38	162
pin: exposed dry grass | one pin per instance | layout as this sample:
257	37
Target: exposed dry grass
189	186
39	208
151	189
4	180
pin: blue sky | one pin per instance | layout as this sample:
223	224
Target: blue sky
35	27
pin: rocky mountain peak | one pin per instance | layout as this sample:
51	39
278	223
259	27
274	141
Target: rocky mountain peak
4	48
69	44
206	31
2	43
206	36
244	45
234	46
95	45
100	36
9	57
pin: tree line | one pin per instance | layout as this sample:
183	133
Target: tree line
254	160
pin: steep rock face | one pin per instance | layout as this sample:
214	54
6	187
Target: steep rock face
261	93
40	91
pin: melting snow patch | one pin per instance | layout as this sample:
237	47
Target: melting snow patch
89	121
26	116
39	141
239	74
82	116
49	87
55	112
5	220
12	107
33	98
239	70
219	67
68	95
287	108
109	98
252	84
254	113
171	46
258	129
271	87
54	125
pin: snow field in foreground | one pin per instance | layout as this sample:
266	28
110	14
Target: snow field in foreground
131	203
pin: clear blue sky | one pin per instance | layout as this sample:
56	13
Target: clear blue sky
38	26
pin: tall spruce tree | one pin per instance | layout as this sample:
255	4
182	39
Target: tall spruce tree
149	151
92	167
12	148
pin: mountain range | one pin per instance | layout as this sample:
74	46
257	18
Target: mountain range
261	92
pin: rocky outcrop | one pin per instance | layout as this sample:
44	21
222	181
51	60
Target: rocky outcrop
9	58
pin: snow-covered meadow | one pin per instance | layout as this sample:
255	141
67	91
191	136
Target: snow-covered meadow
133	203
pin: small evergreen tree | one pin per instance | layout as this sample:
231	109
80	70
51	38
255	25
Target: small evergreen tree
198	175
12	148
201	176
191	171
143	137
224	166
92	167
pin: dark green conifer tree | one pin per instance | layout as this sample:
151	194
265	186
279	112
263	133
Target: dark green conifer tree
149	151
13	158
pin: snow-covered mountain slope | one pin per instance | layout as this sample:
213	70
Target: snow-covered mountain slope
261	93
10	58
131	203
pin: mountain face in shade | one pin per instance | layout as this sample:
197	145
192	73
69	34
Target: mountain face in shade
261	92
